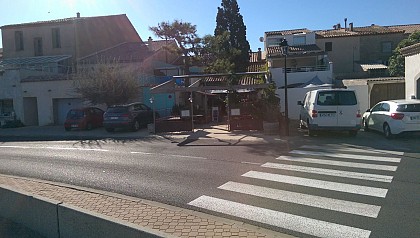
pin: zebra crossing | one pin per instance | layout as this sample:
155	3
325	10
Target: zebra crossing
343	184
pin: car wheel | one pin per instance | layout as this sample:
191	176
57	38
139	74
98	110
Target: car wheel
67	128
136	126
365	125
353	133
302	125
109	129
387	131
89	126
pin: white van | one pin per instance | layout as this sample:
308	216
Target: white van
330	109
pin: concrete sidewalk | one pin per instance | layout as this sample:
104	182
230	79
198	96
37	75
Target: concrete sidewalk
155	218
212	132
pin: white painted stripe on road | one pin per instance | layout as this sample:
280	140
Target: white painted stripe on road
331	172
279	219
352	149
347	156
314	183
304	199
51	148
339	163
165	155
143	153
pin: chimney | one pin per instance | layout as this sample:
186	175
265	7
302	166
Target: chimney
259	58
345	24
338	26
78	15
351	26
149	40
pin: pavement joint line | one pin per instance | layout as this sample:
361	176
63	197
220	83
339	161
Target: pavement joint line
184	217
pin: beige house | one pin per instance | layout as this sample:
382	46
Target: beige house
412	70
38	59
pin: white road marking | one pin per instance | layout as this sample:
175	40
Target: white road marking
304	199
339	163
51	148
279	219
331	172
352	149
347	156
165	155
246	162
314	183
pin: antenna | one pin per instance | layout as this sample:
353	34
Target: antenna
261	39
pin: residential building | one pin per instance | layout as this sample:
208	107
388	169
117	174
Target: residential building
39	59
347	52
412	70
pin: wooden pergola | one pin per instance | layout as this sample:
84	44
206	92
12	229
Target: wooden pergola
200	84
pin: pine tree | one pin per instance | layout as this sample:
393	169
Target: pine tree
229	20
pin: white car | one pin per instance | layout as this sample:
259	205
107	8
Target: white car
393	117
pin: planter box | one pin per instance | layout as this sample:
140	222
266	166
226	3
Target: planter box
173	124
245	123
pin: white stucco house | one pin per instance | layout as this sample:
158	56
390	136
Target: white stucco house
412	70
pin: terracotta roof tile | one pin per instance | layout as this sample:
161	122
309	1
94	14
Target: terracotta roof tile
56	21
158	44
357	31
287	32
125	52
408	29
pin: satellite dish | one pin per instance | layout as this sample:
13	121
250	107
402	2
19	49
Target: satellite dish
261	39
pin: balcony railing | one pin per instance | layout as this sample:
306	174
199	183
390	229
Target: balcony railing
307	69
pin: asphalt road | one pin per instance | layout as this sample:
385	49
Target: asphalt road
285	187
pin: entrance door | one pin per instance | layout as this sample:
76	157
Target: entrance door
38	46
30	111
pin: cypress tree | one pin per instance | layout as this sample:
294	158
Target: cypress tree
229	19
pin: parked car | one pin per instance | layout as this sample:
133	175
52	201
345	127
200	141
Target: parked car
130	116
84	118
393	117
330	109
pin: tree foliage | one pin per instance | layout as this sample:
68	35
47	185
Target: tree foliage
215	56
229	20
107	82
185	34
397	60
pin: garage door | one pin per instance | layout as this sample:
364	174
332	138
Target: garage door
62	106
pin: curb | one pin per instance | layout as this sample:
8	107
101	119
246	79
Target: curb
73	221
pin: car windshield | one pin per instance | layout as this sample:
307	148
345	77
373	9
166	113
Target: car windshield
408	108
117	109
75	114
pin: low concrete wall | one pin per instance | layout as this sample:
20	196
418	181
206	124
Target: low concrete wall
36	213
54	219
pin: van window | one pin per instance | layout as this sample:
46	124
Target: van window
336	98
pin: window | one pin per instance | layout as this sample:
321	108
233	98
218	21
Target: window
274	41
299	40
38	46
328	46
56	43
386	47
385	107
19	40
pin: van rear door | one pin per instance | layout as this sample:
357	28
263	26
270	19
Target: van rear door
325	109
348	114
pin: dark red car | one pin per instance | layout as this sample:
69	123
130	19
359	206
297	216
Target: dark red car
84	118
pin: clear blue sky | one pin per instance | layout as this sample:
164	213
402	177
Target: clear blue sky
259	15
